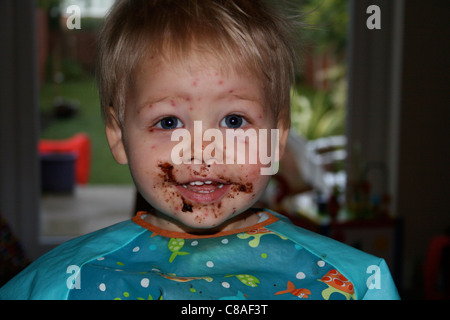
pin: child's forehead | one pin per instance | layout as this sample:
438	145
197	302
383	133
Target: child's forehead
198	77
194	63
199	70
224	80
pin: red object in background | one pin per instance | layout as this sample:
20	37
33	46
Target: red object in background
436	269
80	144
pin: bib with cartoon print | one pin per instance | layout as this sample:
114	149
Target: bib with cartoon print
262	262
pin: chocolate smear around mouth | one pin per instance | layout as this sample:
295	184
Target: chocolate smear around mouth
247	188
167	169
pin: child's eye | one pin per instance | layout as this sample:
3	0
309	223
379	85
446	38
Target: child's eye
169	123
233	121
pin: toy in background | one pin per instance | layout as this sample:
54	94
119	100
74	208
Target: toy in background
65	162
366	195
330	206
437	265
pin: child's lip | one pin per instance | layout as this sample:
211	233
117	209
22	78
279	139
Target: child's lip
204	180
203	192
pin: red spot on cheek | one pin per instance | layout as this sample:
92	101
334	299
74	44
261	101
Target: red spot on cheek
191	108
220	83
231	91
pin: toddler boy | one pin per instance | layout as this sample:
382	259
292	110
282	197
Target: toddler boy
195	96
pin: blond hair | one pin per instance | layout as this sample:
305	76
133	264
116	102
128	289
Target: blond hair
244	34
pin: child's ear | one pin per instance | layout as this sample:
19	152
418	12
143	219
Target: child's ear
283	137
114	137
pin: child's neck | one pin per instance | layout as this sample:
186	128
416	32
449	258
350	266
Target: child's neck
162	221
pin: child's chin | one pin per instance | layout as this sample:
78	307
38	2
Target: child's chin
203	225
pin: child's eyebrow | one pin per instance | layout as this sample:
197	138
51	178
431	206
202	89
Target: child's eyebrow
237	93
245	97
152	101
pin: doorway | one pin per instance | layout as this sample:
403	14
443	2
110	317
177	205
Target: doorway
83	188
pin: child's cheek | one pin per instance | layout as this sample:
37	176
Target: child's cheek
167	173
248	181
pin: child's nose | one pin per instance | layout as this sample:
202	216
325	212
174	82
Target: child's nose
207	144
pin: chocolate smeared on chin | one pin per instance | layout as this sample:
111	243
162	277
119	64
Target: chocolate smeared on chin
186	207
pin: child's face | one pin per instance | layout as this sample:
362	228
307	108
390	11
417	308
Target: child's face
166	98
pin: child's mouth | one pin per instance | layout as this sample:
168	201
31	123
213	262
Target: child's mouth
203	192
203	186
